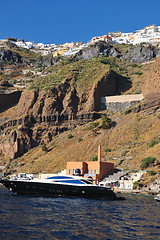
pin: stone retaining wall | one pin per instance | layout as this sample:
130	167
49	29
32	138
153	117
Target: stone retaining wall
120	103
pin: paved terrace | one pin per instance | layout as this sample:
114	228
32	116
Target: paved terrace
123	98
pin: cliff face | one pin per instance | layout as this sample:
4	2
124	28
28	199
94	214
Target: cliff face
66	99
72	93
10	56
140	54
39	106
151	79
96	50
39	103
17	142
137	54
18	57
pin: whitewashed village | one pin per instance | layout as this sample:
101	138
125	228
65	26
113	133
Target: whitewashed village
149	34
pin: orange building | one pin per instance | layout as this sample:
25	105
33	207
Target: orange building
95	169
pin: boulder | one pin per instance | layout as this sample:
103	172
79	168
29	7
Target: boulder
96	50
7	55
140	53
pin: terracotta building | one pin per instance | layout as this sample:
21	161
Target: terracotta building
95	169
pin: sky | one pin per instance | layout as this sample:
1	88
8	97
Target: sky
60	21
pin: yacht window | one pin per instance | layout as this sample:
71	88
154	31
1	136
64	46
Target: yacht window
60	177
87	181
69	171
91	171
74	181
73	171
95	171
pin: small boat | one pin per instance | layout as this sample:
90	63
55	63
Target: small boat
58	185
157	197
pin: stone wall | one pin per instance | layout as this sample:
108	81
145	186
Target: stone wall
120	103
118	107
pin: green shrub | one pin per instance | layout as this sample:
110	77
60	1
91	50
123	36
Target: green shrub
107	150
146	161
70	136
134	65
121	69
151	173
138	117
94	132
124	153
29	74
138	73
106	122
111	62
137	185
154	142
80	139
94	158
44	148
144	165
93	125
4	62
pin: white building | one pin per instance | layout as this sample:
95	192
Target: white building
104	38
126	182
123	38
148	34
29	44
22	43
40	45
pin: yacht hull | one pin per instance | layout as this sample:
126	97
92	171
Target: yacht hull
57	190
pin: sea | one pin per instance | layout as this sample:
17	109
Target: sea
27	217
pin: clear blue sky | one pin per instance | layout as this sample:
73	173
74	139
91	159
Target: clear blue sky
60	21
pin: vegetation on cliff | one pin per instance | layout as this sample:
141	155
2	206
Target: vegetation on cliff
85	73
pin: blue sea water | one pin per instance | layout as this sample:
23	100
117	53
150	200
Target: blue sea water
27	217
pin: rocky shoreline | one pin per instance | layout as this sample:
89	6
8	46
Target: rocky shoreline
136	191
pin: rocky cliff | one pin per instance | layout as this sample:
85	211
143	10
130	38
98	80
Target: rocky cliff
138	54
141	53
97	50
151	79
64	102
17	143
66	99
15	55
70	95
10	56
